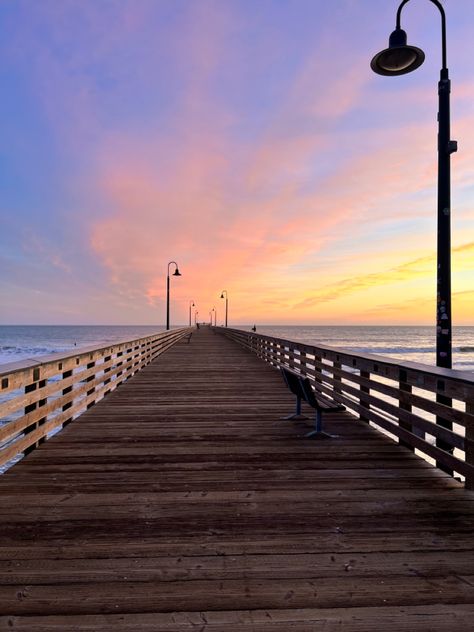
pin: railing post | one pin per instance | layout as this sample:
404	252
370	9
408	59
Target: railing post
303	362
146	352
318	377
107	370
364	392
270	352
291	357
440	443
469	444
136	359
91	365
337	378
65	391
119	355
404	387
30	388
273	360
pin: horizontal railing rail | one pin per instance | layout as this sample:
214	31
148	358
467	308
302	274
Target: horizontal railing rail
40	396
428	409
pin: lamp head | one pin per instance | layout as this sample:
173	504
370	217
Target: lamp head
177	272
222	295
399	58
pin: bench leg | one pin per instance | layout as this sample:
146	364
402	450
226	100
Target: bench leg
318	433
297	414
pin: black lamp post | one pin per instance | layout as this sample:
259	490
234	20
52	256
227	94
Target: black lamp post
226	304
191	304
398	59
215	316
195	316
175	273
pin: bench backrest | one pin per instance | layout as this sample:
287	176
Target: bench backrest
300	385
308	393
293	382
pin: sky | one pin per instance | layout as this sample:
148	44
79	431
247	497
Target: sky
247	140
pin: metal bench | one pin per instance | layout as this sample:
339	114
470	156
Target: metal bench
187	337
300	386
293	382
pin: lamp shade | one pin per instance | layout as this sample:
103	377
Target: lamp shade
399	58
177	272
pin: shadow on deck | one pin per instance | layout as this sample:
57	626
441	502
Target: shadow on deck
183	502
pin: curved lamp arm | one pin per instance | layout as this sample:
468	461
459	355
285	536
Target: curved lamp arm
443	25
175	265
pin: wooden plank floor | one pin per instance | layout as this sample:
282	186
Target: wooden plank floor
182	502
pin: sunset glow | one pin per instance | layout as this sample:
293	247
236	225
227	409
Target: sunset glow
248	141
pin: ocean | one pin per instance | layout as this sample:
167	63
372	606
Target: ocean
404	343
417	344
19	342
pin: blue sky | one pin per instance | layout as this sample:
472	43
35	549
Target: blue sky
249	141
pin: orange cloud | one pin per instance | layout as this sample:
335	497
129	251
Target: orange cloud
423	267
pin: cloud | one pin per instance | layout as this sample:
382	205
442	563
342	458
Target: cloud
422	267
188	198
175	164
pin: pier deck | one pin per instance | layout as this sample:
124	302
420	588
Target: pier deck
182	502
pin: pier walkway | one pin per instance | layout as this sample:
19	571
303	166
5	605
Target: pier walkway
183	502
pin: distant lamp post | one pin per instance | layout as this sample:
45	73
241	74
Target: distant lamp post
175	273
195	316
226	304
191	304
210	317
215	316
398	59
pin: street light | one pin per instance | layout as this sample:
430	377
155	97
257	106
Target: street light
210	317
195	317
175	273
398	59
191	304
226	304
215	316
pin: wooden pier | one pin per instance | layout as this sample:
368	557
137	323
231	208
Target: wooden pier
183	502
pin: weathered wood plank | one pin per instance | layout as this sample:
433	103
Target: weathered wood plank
323	566
127	596
437	618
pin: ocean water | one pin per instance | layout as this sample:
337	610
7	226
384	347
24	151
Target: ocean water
19	342
404	343
416	344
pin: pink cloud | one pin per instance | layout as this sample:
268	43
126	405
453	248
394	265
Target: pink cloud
242	214
190	210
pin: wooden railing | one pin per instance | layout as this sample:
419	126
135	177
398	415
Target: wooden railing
38	397
425	408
